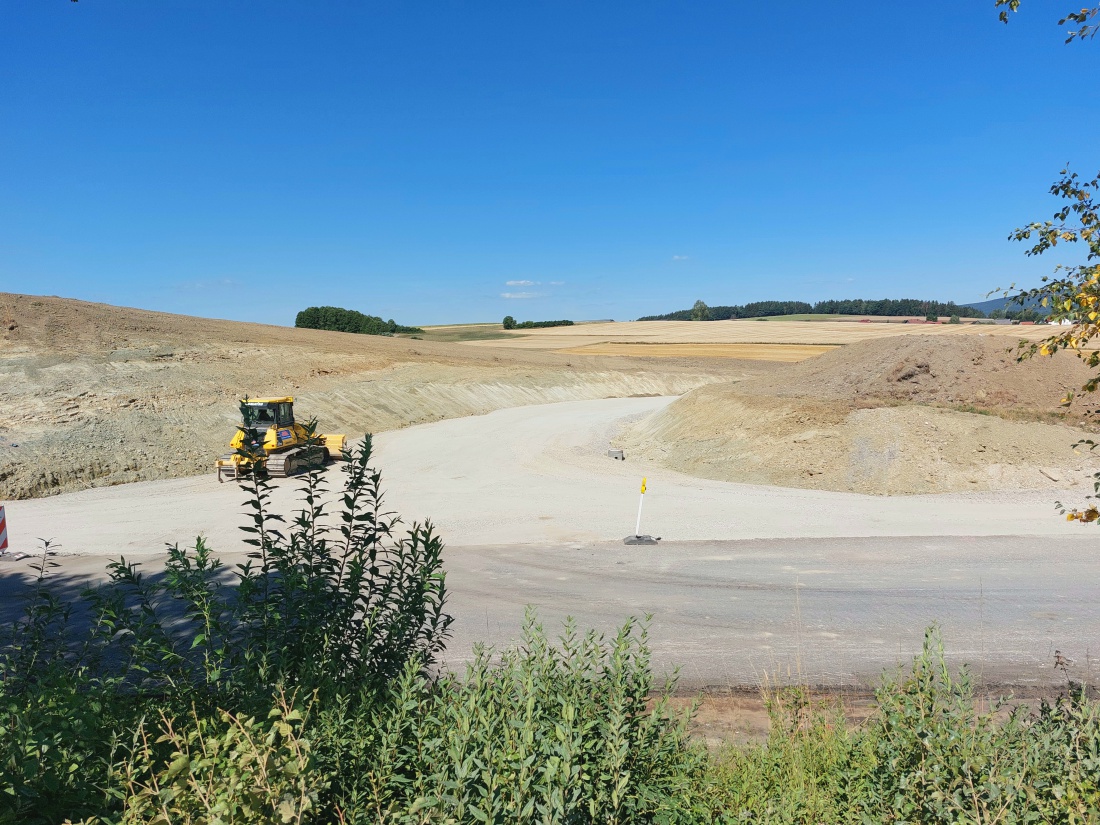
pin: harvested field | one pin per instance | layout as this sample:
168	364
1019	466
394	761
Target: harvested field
451	333
93	395
751	331
902	416
786	353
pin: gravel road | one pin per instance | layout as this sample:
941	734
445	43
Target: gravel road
830	612
826	587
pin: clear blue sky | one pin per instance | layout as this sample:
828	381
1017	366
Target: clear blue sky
442	161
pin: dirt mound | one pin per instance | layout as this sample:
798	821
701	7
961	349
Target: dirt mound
92	394
901	416
974	371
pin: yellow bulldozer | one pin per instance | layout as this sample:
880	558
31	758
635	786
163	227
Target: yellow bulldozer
281	447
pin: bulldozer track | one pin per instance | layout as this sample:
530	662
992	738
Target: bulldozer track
297	460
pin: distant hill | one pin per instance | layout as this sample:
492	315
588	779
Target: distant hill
1004	303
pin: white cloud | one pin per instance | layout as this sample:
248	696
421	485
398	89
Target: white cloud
519	295
520	283
557	283
679	257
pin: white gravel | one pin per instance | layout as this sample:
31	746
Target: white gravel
530	475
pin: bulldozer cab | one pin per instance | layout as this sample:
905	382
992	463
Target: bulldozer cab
270	412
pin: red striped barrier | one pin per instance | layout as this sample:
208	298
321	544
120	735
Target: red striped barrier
3	532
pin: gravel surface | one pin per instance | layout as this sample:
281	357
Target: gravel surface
531	475
821	612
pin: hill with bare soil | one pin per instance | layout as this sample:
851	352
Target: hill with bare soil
92	394
974	371
897	416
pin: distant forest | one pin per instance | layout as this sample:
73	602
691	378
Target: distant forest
855	306
512	323
348	320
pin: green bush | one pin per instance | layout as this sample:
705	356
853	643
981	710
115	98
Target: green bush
926	755
338	319
538	324
317	611
224	769
547	733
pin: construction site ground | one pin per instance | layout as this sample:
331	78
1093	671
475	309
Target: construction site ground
816	513
749	586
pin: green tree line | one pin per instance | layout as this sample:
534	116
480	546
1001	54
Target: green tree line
338	319
511	323
853	306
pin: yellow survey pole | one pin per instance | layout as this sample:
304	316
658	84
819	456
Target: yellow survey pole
641	501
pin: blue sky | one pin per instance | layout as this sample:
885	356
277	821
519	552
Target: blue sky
446	162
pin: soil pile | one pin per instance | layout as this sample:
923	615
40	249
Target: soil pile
92	395
899	416
981	372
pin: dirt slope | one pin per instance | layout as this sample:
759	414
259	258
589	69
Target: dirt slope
92	394
980	371
899	416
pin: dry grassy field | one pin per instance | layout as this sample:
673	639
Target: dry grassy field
581	337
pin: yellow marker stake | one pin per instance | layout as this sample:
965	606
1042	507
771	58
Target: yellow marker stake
641	500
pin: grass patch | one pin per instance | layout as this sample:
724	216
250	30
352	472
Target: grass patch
464	332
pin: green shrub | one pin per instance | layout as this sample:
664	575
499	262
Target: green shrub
225	769
807	771
926	755
313	610
939	760
538	324
547	733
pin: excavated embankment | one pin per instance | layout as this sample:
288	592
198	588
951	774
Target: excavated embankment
918	414
93	395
